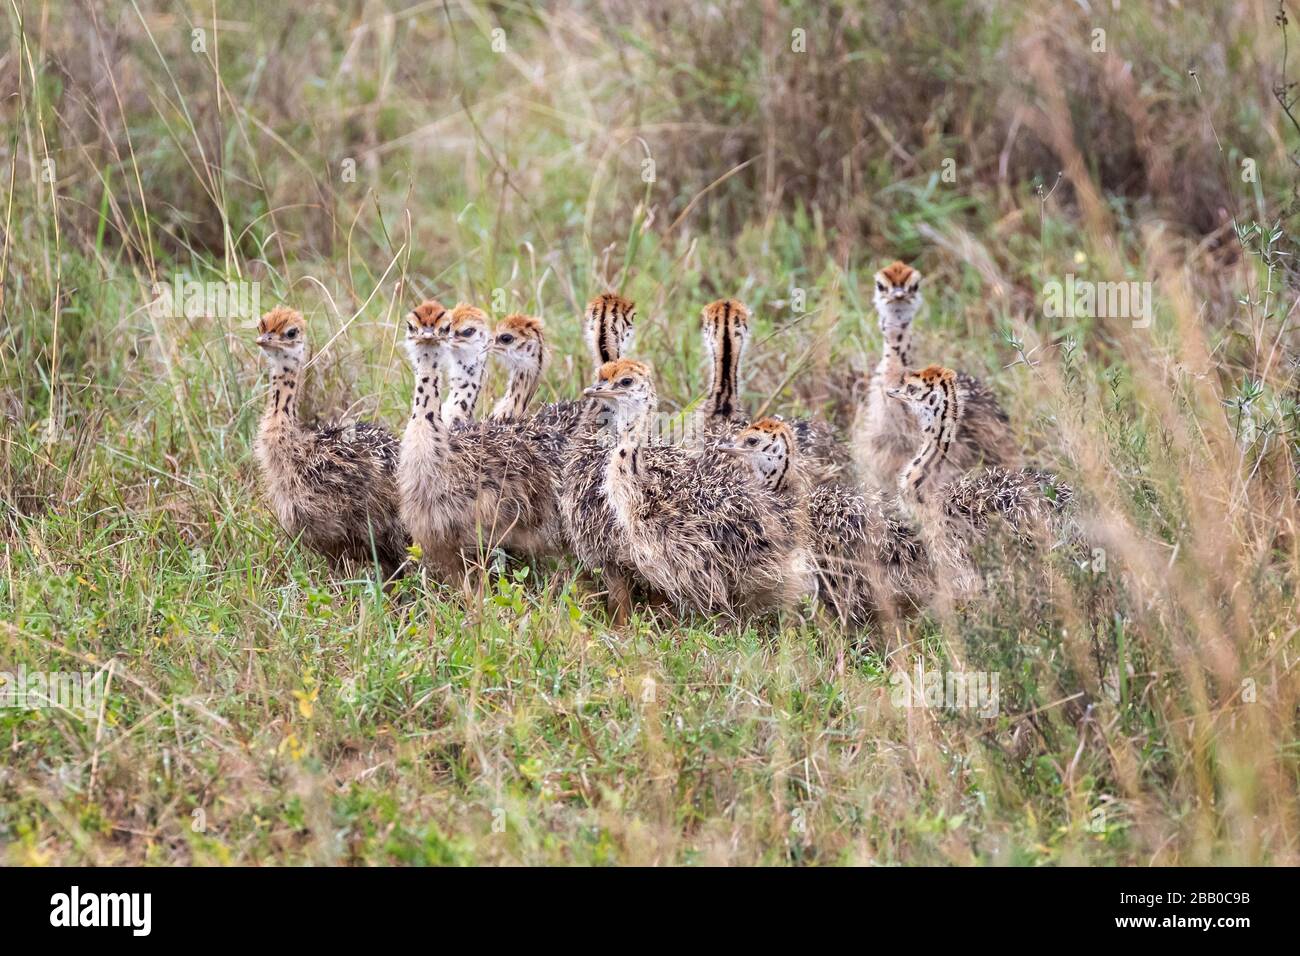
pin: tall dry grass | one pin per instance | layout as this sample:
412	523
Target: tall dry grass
1149	710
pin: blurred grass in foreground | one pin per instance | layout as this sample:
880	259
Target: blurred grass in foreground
260	712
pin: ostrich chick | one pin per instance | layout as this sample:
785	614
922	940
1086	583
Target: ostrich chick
519	343
590	527
332	486
465	331
725	330
477	486
870	561
568	435
696	529
958	514
886	435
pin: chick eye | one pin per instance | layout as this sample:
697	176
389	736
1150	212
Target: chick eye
625	383
880	287
751	442
291	334
506	339
465	333
410	327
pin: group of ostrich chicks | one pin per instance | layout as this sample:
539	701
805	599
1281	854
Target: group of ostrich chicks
742	518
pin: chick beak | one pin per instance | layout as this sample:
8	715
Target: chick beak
601	392
730	448
894	393
266	340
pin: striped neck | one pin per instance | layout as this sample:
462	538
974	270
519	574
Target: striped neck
633	435
428	390
282	399
520	389
726	346
777	475
465	385
896	354
607	330
937	436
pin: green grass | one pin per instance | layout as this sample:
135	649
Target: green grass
264	711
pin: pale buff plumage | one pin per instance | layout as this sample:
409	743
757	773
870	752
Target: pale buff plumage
332	486
885	435
474	487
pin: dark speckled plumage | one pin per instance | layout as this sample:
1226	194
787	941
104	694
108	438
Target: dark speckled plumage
560	422
589	522
691	522
362	439
870	562
348	472
499	488
332	485
956	515
590	530
1025	499
826	458
885	436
